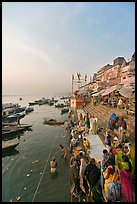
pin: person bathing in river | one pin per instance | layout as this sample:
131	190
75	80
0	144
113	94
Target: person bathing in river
63	151
53	165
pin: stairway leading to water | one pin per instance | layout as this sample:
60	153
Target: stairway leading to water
103	112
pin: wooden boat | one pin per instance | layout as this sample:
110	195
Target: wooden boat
15	125
10	105
6	131
56	101
60	105
25	126
51	103
13	117
52	122
64	110
19	109
9	145
37	101
29	109
8	124
42	102
33	103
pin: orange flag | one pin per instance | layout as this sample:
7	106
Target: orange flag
72	76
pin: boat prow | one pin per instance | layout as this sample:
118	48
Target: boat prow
9	146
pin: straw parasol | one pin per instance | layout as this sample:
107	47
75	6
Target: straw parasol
128	92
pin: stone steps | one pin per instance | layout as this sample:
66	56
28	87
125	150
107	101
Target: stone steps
103	113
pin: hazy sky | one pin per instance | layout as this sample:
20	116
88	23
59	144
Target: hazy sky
44	43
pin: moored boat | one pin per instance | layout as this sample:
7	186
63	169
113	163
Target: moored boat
29	109
52	121
64	110
50	102
10	130
9	146
33	103
14	117
15	125
60	105
10	105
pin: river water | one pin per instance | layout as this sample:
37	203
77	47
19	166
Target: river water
42	143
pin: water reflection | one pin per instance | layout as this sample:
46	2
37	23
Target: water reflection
54	175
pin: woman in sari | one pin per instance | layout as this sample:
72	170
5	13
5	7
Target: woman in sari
118	156
87	124
131	156
94	127
86	143
126	180
111	185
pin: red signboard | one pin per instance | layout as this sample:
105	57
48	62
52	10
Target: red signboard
79	100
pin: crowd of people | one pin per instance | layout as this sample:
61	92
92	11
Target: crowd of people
117	166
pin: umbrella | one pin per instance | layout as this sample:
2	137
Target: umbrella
111	89
128	92
98	93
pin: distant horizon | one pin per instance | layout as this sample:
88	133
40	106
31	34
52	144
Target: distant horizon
61	94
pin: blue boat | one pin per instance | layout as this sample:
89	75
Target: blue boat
64	110
14	117
29	109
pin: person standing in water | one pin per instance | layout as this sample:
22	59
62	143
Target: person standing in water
53	165
63	151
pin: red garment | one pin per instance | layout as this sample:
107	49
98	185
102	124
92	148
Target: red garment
126	185
114	152
122	123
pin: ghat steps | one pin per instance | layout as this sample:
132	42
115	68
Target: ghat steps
103	112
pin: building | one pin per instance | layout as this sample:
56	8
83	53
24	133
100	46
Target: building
77	102
118	61
101	73
128	69
112	75
109	75
95	77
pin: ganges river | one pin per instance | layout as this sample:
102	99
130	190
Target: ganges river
26	171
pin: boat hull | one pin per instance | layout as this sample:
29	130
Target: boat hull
9	146
53	122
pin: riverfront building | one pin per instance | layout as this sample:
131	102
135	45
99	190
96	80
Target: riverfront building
110	75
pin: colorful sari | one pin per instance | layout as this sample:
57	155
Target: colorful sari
131	156
118	157
94	127
114	191
111	187
126	186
